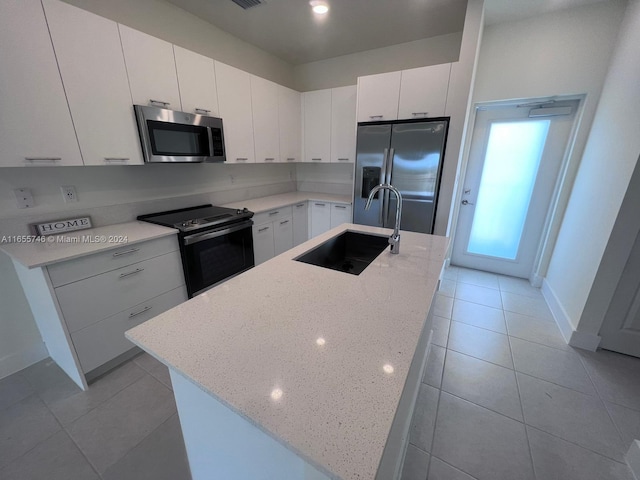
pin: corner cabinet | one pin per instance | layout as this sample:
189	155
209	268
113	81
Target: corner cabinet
31	92
84	306
93	71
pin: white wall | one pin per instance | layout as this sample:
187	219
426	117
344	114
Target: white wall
164	20
609	159
345	70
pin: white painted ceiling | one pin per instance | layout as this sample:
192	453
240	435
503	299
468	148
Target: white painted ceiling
289	30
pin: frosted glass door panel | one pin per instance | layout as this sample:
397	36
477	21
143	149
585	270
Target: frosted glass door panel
509	173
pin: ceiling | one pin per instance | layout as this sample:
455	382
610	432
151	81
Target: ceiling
289	30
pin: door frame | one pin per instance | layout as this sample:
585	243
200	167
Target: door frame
561	191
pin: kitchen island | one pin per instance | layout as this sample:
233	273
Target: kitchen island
296	371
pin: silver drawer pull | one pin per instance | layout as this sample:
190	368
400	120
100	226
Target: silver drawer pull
126	252
241	159
340	206
274	213
415	114
316	159
263	229
375	116
291	159
42	159
159	102
343	159
116	159
137	270
269	159
145	309
202	110
320	204
300	205
285	222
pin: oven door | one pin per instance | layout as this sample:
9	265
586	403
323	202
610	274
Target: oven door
216	255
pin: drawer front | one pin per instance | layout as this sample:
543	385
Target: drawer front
272	215
340	213
105	340
84	267
87	301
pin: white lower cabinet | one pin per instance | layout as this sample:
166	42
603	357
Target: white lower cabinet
320	217
300	223
340	213
263	243
283	235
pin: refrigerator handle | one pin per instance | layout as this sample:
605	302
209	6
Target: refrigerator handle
388	167
383	179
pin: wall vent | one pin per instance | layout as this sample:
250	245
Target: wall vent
248	3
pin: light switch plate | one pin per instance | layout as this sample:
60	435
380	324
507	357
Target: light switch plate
24	199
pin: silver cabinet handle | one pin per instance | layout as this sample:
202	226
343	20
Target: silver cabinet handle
269	159
263	229
316	159
415	114
320	204
145	309
340	206
116	159
292	159
137	270
375	116
126	252
343	159
274	213
42	159
241	159
202	110
284	222
300	205
159	102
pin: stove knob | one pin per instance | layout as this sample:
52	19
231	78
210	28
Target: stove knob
238	212
245	210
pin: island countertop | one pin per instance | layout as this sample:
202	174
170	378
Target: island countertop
314	357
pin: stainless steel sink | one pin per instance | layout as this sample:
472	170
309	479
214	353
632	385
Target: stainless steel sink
349	252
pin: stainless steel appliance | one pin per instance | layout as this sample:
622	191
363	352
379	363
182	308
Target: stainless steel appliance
170	136
216	243
408	155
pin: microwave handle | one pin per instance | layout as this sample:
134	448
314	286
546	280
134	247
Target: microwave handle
201	237
210	133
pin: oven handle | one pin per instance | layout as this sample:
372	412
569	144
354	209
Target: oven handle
201	237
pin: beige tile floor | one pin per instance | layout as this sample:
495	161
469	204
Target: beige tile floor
503	397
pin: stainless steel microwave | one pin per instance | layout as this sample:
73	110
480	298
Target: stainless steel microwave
171	136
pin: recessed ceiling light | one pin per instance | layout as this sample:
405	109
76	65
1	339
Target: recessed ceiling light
319	7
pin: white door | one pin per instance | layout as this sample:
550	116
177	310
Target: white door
514	162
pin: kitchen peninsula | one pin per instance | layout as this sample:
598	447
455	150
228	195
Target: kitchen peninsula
296	371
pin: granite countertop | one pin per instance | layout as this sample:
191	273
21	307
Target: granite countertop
258	205
67	246
316	358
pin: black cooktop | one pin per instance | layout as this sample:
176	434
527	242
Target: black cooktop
192	218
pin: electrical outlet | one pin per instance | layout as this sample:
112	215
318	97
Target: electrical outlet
24	198
69	193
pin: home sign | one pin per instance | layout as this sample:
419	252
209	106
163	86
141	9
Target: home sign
62	226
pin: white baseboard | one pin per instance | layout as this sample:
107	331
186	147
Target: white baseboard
18	361
586	341
633	459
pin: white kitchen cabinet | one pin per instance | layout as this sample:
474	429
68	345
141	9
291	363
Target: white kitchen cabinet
290	123
151	68
340	213
320	217
283	235
263	243
300	223
234	98
197	82
317	126
423	91
266	132
343	124
93	71
378	97
35	124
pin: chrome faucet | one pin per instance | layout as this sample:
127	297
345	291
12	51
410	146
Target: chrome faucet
394	239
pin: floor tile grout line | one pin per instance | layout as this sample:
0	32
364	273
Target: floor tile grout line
478	303
454	467
482	406
556	384
478	358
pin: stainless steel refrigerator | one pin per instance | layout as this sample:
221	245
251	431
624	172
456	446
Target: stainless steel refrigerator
408	155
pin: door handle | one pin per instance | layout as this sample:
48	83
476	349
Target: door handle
467	202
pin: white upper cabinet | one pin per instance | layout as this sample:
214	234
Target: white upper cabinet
378	97
95	80
343	124
151	68
234	98
423	91
317	126
35	124
290	121
266	133
197	82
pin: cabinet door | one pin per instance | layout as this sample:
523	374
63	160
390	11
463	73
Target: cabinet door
320	218
283	235
151	68
343	124
290	121
423	91
35	125
300	223
234	98
263	243
378	97
340	213
95	80
197	82
266	132
317	126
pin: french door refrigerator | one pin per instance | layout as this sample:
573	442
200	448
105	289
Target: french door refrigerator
408	155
